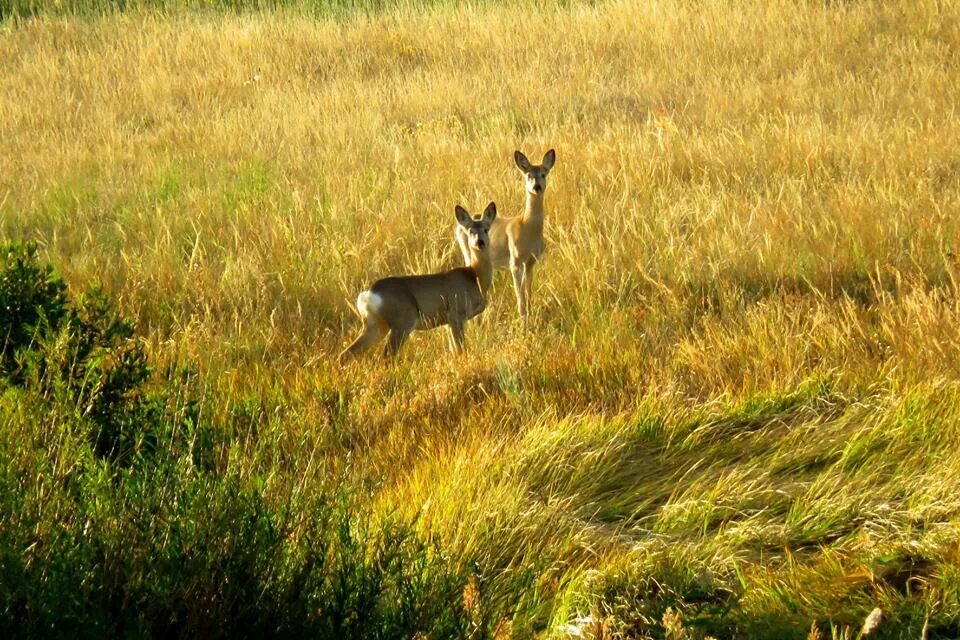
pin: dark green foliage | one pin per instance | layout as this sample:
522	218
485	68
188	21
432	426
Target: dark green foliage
80	353
116	519
33	301
170	552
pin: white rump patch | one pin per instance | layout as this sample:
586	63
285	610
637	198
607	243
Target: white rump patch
368	301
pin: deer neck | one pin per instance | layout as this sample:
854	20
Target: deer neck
483	267
533	212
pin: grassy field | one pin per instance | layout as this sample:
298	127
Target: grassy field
737	413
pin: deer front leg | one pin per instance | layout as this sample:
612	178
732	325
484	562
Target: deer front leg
528	282
517	268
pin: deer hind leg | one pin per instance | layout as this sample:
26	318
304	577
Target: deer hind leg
370	335
398	335
395	341
457	336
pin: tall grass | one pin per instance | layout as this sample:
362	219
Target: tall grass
18	9
736	413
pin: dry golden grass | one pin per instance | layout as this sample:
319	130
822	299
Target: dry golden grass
744	373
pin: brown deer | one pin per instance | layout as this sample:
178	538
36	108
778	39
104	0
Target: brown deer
517	243
403	304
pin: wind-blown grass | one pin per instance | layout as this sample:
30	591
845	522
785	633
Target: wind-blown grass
737	411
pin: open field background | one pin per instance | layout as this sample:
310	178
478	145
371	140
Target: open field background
737	414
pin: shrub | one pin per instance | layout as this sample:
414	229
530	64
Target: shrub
80	353
98	538
33	302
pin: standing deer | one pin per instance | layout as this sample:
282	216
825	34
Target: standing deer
517	242
402	304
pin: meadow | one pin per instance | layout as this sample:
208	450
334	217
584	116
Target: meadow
737	411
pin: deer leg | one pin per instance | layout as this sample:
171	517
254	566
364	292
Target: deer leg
528	282
397	338
369	336
517	268
457	335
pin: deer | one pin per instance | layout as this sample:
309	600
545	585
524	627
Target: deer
517	243
399	305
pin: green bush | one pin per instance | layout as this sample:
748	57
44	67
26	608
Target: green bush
171	553
33	302
114	520
78	353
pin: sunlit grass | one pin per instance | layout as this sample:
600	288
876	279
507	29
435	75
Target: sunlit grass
740	396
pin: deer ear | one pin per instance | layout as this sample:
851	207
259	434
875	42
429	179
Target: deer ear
521	161
548	159
463	216
489	214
